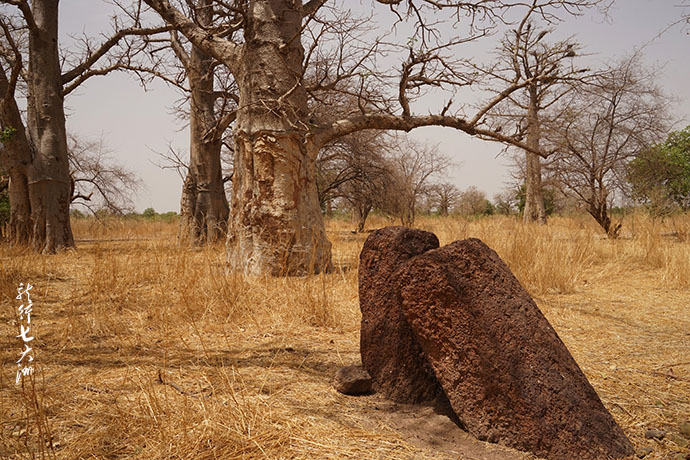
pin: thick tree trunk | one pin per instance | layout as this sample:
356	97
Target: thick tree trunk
361	212
187	208
408	212
17	156
20	225
276	225
47	173
40	191
204	207
534	198
444	207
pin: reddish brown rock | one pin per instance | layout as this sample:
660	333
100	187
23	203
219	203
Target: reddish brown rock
508	376
389	350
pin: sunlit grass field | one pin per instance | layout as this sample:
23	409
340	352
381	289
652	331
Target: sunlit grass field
148	350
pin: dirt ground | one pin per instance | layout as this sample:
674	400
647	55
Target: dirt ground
150	351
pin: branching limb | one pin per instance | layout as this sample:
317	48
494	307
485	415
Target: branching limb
24	7
220	48
399	123
93	56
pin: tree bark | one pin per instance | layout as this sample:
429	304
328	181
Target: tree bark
361	212
276	225
534	198
40	189
187	208
20	225
408	211
204	207
16	155
49	180
444	206
598	208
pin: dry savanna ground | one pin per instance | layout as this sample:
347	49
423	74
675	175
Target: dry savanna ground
148	350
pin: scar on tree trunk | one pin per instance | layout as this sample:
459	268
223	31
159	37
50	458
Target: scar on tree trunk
276	227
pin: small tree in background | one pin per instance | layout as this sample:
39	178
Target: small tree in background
505	202
607	124
99	183
445	197
660	176
473	202
415	166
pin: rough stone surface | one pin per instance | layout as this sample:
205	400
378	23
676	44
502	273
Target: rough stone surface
507	374
654	434
642	452
352	380
389	350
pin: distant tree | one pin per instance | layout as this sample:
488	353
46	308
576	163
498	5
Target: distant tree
444	197
414	167
505	202
618	116
149	213
473	202
543	73
660	176
98	181
353	168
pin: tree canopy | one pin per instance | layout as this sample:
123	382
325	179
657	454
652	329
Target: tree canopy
660	176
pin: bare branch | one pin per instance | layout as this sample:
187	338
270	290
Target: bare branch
398	123
24	7
220	48
95	55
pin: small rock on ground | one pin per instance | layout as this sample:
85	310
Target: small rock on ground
352	380
644	451
654	434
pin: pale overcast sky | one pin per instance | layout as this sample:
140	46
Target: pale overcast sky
135	124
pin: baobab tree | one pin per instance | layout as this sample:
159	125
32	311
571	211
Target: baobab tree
446	196
204	207
546	73
276	224
35	147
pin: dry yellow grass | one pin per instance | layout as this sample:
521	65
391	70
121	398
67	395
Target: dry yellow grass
148	350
